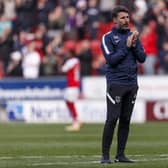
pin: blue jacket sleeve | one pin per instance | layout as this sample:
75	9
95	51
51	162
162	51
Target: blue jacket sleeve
139	52
113	56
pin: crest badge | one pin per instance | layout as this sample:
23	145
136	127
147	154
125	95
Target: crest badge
117	99
116	39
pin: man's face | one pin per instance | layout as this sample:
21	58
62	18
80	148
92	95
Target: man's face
122	20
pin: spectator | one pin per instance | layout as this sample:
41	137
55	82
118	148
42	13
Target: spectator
19	41
70	27
56	19
140	9
98	60
14	68
149	42
85	56
5	40
26	15
163	58
156	12
31	62
9	9
81	18
54	56
44	7
105	8
93	16
49	61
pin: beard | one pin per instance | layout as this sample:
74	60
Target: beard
125	26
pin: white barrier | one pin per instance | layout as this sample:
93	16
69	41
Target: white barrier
90	111
151	103
150	87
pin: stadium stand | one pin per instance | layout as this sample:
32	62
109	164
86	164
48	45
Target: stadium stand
57	26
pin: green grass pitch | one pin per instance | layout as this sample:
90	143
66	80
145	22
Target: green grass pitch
50	146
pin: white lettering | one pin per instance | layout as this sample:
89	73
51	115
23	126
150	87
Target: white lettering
160	110
29	93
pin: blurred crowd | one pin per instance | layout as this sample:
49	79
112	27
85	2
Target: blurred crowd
36	35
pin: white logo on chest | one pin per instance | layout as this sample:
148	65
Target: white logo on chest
116	38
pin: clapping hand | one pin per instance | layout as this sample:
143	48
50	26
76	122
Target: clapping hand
131	40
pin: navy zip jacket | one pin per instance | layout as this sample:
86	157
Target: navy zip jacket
121	61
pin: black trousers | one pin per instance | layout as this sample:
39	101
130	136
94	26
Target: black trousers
120	103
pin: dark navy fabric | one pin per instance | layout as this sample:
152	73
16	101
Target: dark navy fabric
121	61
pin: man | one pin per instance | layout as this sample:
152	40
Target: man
31	61
72	69
122	49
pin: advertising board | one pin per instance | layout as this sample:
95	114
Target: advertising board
12	89
157	110
55	111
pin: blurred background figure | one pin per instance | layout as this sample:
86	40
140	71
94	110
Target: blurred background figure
163	58
56	19
93	16
149	42
105	10
31	62
85	56
70	27
5	39
54	56
81	17
14	67
72	69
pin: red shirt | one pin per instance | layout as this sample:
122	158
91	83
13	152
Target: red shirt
149	42
72	69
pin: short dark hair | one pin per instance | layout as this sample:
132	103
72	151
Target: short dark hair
119	9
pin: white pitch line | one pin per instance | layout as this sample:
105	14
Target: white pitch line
70	156
31	157
75	156
6	157
140	158
49	164
65	163
41	157
150	159
92	162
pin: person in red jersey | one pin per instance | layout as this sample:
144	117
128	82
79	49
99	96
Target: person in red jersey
72	69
